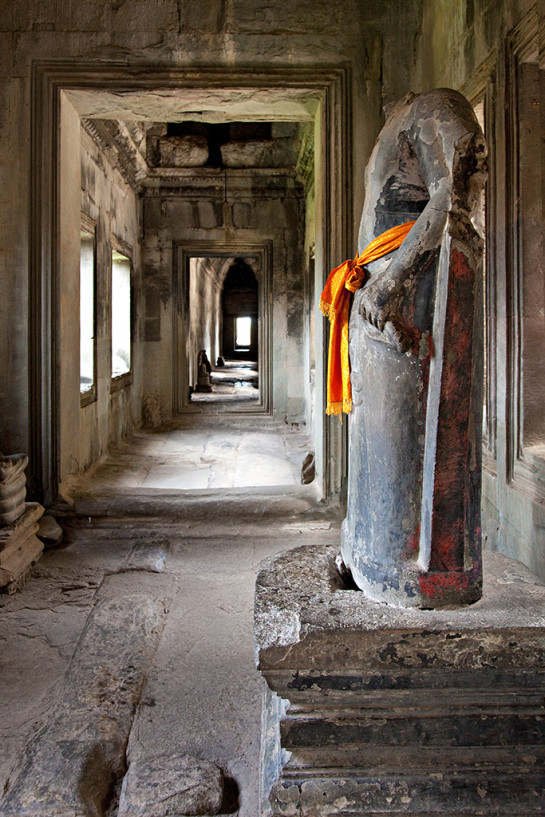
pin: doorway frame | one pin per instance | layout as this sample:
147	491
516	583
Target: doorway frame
183	253
331	84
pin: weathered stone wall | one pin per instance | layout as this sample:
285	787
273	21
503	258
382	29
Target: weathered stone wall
491	48
89	185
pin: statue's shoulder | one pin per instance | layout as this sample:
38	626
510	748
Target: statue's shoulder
444	104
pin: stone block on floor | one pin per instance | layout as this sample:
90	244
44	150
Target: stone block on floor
165	785
73	762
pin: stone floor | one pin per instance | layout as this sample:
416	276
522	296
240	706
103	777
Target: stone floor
184	516
235	382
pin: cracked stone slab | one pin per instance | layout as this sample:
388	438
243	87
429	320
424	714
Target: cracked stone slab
71	765
171	785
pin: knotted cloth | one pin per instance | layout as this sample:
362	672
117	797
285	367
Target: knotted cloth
335	305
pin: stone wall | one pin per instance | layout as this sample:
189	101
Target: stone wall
205	319
90	185
491	51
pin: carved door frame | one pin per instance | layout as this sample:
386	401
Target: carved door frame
183	252
331	87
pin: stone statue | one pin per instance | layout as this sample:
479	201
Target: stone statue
204	369
412	532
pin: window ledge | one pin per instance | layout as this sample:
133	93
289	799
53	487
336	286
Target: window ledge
87	397
120	382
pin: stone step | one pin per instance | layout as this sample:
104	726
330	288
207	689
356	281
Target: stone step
526	728
464	793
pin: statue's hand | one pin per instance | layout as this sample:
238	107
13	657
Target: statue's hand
379	306
378	302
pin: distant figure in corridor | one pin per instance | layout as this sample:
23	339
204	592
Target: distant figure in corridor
412	532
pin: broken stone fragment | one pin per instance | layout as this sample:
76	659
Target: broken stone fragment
183	151
49	531
171	785
12	487
12	466
70	766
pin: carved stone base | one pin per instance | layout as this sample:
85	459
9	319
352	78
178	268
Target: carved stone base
19	547
400	711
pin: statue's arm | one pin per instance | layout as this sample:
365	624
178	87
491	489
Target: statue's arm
381	298
383	294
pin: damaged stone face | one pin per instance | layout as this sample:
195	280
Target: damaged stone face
183	151
412	533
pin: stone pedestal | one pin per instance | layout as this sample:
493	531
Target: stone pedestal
400	711
19	547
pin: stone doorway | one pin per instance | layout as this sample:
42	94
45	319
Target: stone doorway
217	285
119	94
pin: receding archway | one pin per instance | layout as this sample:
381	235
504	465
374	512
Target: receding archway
208	330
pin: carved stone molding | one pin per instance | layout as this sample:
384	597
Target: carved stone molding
260	183
115	141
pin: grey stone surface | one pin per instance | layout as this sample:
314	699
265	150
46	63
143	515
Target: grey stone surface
259	153
400	711
302	608
148	555
171	785
412	534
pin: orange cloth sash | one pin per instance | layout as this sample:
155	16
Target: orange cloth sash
335	305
